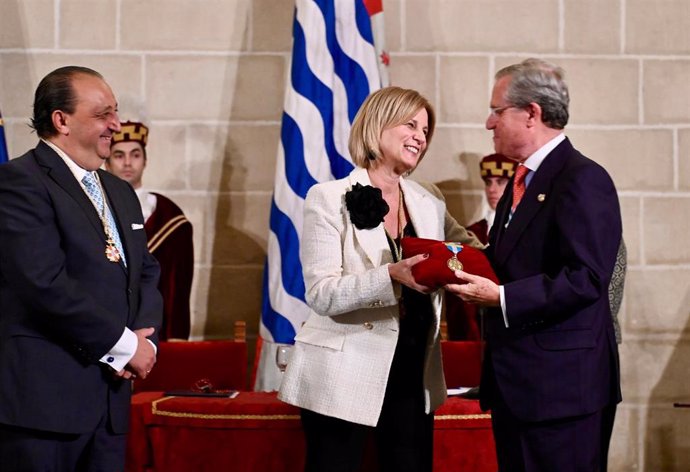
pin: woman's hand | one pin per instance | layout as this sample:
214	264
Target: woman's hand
401	271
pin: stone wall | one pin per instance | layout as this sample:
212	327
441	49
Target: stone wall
211	74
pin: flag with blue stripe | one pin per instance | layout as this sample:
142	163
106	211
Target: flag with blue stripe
4	156
334	68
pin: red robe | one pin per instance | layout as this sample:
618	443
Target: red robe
170	241
480	230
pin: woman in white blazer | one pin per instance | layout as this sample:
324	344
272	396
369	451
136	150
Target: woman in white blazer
368	358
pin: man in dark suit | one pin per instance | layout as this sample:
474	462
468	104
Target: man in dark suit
79	307
551	370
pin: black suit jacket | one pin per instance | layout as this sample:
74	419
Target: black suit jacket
63	305
558	357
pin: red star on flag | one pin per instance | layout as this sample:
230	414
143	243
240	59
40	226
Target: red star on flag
385	58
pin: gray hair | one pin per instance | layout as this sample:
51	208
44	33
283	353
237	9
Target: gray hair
538	81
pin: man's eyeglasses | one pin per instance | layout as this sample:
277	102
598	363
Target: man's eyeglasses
498	111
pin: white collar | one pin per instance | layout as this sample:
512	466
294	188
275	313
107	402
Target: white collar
78	172
534	161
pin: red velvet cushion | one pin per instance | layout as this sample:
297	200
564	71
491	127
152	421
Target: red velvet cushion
434	271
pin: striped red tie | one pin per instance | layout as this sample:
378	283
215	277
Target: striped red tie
519	185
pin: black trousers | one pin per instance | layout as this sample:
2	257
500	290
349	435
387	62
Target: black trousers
29	450
574	444
403	439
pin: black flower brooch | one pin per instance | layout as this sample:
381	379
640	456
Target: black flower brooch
366	206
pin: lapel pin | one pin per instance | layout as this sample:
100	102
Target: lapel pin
541	197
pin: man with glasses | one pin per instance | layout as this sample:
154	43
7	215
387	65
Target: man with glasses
551	372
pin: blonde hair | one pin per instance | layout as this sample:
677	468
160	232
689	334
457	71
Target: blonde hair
385	108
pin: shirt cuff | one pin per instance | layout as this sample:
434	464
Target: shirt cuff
502	299
122	352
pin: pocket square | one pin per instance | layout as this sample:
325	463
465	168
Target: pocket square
136	226
439	269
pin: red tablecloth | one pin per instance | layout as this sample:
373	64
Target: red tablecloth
256	432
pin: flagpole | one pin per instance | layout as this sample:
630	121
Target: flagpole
333	68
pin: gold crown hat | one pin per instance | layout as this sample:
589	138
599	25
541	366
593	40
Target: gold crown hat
497	165
131	131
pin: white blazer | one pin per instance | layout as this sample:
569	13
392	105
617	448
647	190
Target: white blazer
342	356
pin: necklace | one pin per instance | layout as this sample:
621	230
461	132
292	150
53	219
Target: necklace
397	253
397	248
112	253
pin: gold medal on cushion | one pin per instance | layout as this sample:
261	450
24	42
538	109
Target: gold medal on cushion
436	270
453	263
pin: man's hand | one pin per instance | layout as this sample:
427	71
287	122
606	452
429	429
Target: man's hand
477	290
125	374
144	358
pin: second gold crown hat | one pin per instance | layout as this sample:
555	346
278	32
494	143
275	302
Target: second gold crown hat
131	131
497	165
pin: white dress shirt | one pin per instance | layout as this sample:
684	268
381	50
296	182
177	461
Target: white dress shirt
532	163
123	350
